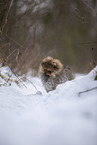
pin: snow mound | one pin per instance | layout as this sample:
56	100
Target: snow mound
65	116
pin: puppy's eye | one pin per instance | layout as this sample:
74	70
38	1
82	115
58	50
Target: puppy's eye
50	72
43	64
54	66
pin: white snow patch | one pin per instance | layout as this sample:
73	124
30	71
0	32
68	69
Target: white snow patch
65	116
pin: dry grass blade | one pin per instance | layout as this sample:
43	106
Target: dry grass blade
7	15
9	55
32	84
18	78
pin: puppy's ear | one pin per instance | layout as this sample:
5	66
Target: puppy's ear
42	63
48	59
59	66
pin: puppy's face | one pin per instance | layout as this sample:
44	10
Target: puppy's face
51	67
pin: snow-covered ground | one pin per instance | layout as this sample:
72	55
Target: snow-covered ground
65	116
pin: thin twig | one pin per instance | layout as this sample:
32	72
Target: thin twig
13	40
89	6
87	91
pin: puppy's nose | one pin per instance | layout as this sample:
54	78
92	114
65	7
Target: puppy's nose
49	72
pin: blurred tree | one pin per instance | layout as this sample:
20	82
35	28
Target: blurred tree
33	29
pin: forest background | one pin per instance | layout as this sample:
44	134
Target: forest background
30	30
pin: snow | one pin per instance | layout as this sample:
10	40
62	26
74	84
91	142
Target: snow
65	116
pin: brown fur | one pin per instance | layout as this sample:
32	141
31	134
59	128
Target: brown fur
52	73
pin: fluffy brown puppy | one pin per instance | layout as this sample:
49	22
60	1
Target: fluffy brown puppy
52	73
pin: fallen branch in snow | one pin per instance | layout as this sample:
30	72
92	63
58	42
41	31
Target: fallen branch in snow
87	91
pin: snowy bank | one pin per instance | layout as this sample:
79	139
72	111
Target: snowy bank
65	116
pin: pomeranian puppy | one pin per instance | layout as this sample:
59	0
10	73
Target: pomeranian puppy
52	72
